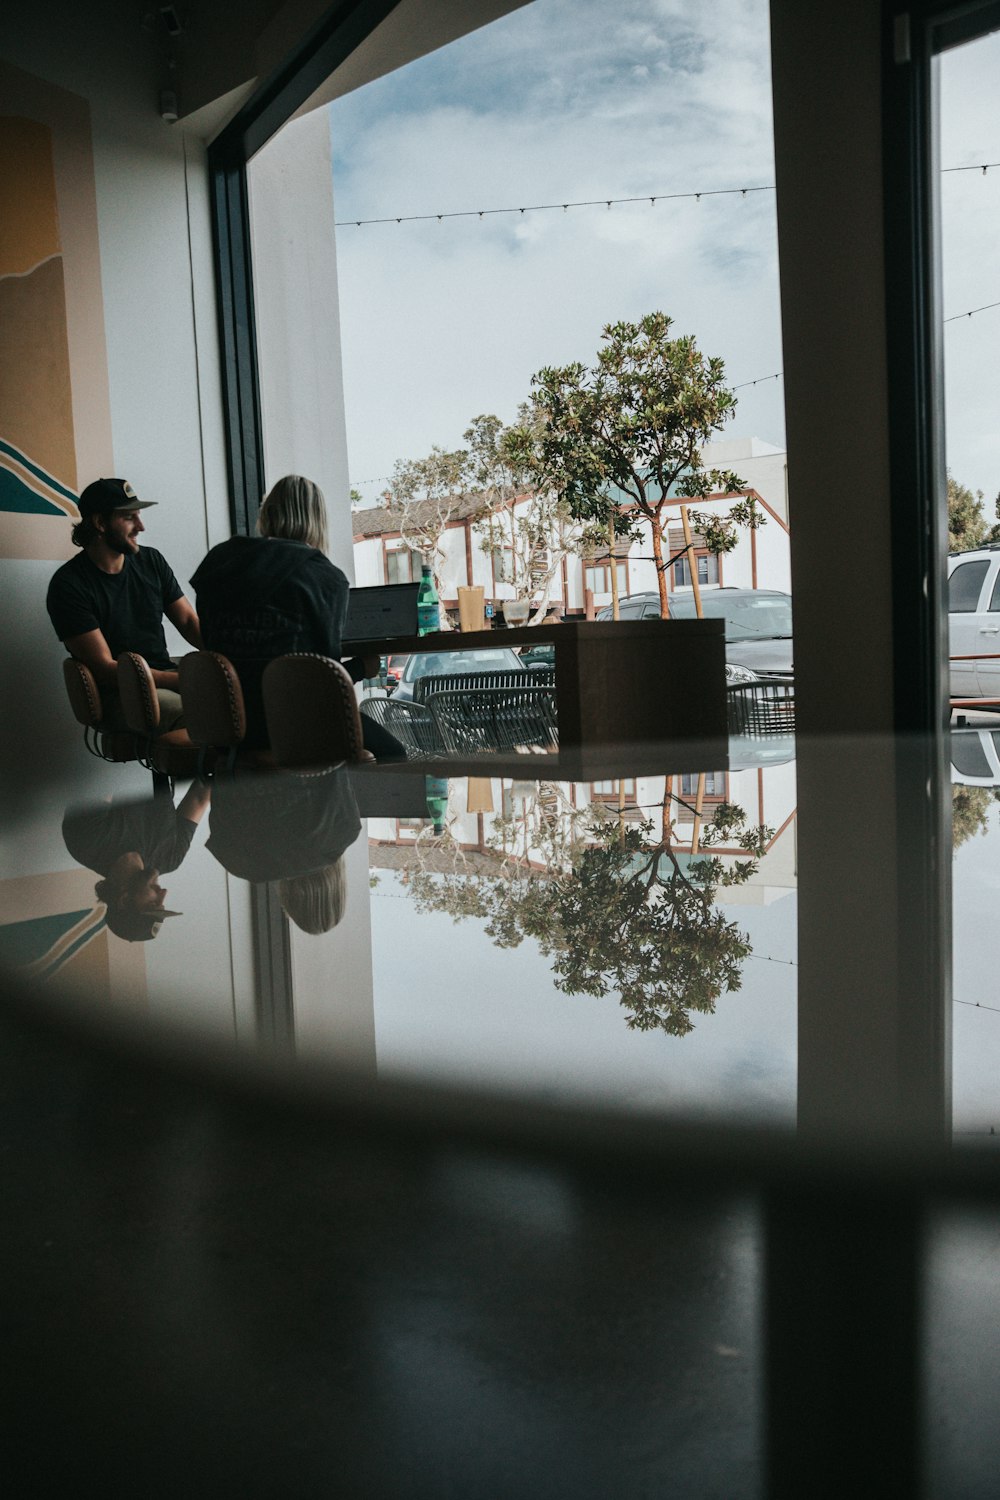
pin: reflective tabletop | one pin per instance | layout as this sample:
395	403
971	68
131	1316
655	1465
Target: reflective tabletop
623	940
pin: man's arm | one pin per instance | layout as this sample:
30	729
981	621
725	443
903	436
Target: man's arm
92	649
195	801
182	616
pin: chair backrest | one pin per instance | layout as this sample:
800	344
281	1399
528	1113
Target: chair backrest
413	724
214	713
497	719
461	682
311	712
84	697
137	691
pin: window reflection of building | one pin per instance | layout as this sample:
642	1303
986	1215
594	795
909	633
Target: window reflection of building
398	565
707	565
609	791
597	576
714	788
503	565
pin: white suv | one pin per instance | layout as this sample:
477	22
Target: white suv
974	622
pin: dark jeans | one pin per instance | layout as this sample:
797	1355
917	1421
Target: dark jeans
382	744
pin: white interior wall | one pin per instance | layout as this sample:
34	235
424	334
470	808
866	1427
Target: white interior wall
298	318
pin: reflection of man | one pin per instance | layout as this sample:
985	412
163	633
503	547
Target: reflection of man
113	596
131	844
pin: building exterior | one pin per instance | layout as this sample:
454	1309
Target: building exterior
581	586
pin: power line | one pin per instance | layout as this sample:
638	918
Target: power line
982	166
743	384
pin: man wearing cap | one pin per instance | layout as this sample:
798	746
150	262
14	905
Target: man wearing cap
130	845
113	596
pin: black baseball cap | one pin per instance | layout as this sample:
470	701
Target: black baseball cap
110	494
136	926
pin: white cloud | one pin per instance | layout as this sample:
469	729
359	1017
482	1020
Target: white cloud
558	102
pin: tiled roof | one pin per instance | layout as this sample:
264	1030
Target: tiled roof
378	519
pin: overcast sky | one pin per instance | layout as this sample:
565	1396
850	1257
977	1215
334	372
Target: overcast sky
563	100
970	214
577	99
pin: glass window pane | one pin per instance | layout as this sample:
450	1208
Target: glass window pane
965	585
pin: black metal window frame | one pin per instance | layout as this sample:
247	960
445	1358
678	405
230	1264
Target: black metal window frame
338	33
913	37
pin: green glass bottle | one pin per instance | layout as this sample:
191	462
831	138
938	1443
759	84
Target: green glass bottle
428	604
436	793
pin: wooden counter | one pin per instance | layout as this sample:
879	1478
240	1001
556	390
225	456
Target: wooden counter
617	681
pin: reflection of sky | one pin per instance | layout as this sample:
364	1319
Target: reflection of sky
976	969
453	1007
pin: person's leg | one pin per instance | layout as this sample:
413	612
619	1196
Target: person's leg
382	744
171	709
171	712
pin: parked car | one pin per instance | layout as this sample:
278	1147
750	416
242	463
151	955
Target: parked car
758	627
431	663
543	655
975	757
974	622
393	671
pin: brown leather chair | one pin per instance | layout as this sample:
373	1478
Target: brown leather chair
311	712
214	713
170	754
88	710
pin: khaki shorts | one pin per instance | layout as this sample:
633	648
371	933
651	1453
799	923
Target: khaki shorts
171	711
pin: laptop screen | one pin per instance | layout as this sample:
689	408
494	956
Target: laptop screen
375	614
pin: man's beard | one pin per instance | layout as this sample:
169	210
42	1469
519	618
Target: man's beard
119	544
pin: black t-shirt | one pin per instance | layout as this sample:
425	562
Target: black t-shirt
98	834
127	607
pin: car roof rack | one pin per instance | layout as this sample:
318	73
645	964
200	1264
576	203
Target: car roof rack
982	547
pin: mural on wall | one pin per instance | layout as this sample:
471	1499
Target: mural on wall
55	932
55	428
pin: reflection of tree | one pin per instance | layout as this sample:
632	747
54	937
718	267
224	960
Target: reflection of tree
970	806
617	907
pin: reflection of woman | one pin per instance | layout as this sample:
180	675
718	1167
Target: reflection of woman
131	844
261	597
292	830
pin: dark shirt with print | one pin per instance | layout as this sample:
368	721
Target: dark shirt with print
260	597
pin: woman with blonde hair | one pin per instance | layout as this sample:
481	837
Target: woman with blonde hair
264	596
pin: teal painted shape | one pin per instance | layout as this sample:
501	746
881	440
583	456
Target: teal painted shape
16	496
33	468
22	942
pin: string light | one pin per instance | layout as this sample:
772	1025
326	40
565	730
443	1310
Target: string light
538	208
651	198
761	379
972	312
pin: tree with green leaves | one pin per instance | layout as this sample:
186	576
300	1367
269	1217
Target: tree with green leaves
970	807
622	440
966	522
522	514
617	907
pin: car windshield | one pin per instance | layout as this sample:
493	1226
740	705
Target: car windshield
434	663
766	616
